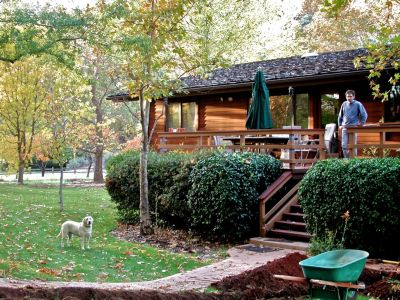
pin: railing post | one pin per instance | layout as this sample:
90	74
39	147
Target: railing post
261	218
381	142
352	150
322	150
200	143
163	142
242	142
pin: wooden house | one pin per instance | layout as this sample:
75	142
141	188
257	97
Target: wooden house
317	81
306	91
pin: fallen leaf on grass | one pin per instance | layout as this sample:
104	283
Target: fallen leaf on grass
49	271
102	275
119	266
42	261
78	276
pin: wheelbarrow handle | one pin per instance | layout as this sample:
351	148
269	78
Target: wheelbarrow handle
349	285
291	278
358	286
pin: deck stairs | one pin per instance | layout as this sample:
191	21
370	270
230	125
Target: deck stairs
281	216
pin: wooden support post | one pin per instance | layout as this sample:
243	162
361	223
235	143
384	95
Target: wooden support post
381	142
261	218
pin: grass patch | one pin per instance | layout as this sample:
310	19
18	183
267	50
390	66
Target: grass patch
29	249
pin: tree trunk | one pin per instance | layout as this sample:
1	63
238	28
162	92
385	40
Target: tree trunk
97	102
98	165
146	227
61	192
21	169
43	169
90	165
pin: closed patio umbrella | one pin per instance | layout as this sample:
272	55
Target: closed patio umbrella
259	115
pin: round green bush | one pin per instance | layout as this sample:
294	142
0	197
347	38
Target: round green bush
369	189
224	190
168	177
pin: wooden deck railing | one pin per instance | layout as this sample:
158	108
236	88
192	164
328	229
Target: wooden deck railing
379	144
303	147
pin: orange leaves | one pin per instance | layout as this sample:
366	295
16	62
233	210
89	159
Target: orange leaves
51	272
119	266
133	144
128	253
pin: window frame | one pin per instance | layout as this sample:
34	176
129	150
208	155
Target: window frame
181	116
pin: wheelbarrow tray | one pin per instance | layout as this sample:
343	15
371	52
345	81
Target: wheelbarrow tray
337	265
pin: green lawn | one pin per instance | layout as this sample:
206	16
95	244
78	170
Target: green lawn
29	249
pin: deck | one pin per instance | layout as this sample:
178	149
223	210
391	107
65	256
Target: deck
296	148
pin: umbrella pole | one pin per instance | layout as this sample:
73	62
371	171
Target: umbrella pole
293	102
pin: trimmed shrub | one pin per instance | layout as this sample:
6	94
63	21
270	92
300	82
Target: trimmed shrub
122	183
369	189
168	176
223	196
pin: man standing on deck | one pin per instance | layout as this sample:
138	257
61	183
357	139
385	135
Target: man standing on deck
352	113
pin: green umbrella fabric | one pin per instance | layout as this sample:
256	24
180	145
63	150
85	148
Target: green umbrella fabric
259	116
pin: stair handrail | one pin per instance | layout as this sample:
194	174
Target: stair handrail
278	205
268	194
281	207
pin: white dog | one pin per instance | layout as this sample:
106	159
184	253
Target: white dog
82	229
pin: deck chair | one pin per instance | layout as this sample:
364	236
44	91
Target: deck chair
329	135
220	142
296	138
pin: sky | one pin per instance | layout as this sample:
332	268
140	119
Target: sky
66	3
74	3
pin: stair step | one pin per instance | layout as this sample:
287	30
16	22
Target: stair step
291	225
290	234
280	243
296	208
293	216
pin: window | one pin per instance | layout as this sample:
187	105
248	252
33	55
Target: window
302	110
281	110
329	108
182	115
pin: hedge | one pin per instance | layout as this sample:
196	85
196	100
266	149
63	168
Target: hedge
224	190
168	177
369	189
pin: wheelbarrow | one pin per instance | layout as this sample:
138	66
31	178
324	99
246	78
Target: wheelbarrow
332	275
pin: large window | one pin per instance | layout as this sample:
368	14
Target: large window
329	108
281	110
302	110
182	115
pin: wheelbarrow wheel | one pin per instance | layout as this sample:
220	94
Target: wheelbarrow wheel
351	295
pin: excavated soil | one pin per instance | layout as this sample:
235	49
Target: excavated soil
259	283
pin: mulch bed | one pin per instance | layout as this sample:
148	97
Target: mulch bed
174	240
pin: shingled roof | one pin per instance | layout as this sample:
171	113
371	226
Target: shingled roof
282	69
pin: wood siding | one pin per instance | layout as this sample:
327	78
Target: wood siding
216	115
156	110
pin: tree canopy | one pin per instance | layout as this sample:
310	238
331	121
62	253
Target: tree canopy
35	30
331	25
